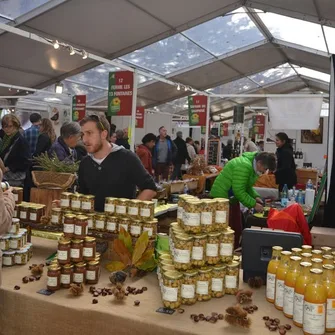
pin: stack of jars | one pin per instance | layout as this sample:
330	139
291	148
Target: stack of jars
301	283
29	212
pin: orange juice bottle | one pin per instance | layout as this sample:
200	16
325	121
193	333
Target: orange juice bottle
296	252
300	286
326	250
315	300
271	274
317	253
280	279
306	257
317	263
306	248
290	279
329	281
328	259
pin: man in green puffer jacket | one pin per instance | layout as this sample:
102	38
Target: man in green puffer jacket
240	174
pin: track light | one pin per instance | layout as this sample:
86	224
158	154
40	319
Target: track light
185	88
56	44
10	89
71	50
84	54
17	90
59	88
178	87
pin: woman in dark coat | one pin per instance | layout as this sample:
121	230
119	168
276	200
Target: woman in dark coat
46	138
285	173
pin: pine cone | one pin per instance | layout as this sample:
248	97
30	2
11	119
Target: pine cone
37	270
76	289
236	311
119	292
234	321
244	297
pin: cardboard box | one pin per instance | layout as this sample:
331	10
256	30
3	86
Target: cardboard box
322	237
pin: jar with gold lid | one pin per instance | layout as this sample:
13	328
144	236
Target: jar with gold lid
56	216
16	212
123	223
18	194
8	258
79	273
207	215
66	278
296	251
182	252
232	278
212	248
21	256
306	248
4	242
64	251
135	228
121	207
53	278
328	259
221	216
192	216
218	281
188	295
68	226
147	210
65	200
171	288
100	222
89	251
316	254
24	212
306	257
76	202
326	250
76	253
227	245
204	284
15	242
90	220
92	272
110	205
198	257
112	224
87	203
15	227
80	226
134	209
317	263
150	227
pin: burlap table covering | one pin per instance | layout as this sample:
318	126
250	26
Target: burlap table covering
27	312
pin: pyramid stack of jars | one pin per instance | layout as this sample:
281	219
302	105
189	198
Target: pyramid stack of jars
301	283
200	264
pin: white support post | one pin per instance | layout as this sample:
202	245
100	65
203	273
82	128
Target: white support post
207	127
133	114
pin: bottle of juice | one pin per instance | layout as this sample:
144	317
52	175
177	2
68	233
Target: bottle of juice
328	259
290	279
315	300
280	279
317	263
300	286
326	250
329	281
296	252
306	257
306	248
316	253
271	274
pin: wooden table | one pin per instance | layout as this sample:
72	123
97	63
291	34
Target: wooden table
202	180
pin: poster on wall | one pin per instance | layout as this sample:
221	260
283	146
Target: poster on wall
78	107
197	110
259	126
223	129
139	123
120	93
314	136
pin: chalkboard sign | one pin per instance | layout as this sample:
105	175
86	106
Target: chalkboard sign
214	152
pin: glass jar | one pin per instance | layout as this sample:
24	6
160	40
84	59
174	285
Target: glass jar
199	250
89	251
76	252
64	251
80	226
182	252
123	223
56	216
306	257
21	256
271	273
150	227
172	281
18	194
65	200
147	210
192	215
100	222
328	259
90	220
24	233
212	248
180	209
227	245
135	228
8	258
317	263
121	207
87	203
30	250
232	279
33	214
15	242
53	278
296	252
110	205
79	273
4	242
316	253
218	281
92	272
221	214
112	224
207	216
306	248
16	212
134	212
24	210
326	250
68	226
66	278
15	227
204	284
76	202
188	286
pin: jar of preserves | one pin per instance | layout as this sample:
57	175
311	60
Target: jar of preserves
204	284
123	223
207	216
80	226
87	203
90	220
8	258
150	227
192	217
67	213
64	251
328	259
316	253
112	224
221	214
32	214
4	242
68	226
212	248
110	205
53	278
182	252
147	210
76	252
15	242
232	279
15	227
24	210
121	207
56	216
79	273
227	245
16	212
18	194
135	228
218	281
21	256
134	209
188	296
172	281
198	258
92	272
76	202
89	251
65	200
100	222
66	278
326	250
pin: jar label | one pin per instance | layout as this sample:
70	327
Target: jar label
221	217
75	253
182	256
206	218
145	212
170	293
298	308
54	219
7	260
187	291
88	252
13	244
191	219
12	229
52	281
3	245
217	284
86	205
78	277
124	226
65	203
62	255
226	249
65	279
18	259
120	209
149	230
16	196
90	275
23	215
33	216
198	253
110	208
280	285
75	204
180	213
314	318
111	226
15	213
90	223
270	285
99	224
135	230
288	300
330	319
202	287
231	282
78	230
133	210
212	250
68	228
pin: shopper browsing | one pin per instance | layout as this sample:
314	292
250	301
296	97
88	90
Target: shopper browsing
181	156
31	134
121	139
190	148
46	137
144	150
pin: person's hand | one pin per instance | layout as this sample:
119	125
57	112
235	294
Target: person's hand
259	208
55	204
259	201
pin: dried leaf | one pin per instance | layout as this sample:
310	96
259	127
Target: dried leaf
115	266
126	238
140	247
149	265
122	251
147	255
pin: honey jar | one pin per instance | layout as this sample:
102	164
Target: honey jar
65	200
76	202
87	203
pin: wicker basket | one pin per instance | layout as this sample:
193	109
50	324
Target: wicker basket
53	180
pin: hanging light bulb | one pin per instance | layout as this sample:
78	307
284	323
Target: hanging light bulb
17	90
56	44
84	54
71	50
178	87
185	88
10	89
59	88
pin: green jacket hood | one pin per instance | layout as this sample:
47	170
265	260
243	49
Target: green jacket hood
250	155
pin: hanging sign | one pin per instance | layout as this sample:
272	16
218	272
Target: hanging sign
223	129
120	93
78	107
259	125
139	123
197	110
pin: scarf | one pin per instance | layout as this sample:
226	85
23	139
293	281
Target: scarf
6	141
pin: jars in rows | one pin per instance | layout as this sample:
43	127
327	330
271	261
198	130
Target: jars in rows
21	256
326	250
65	200
64	251
227	245
188	295
212	248
80	226
232	279
90	220
53	277
87	203
306	257
8	258
121	207
207	216
317	263
66	278
135	228
4	242
147	210
79	273
110	205
316	253
89	250
76	202
68	226
18	194
76	253
192	215
182	252
150	227
100	222
306	248
171	289
296	252
218	281
112	224
134	212
204	284
198	256
221	214
92	272
328	259
56	216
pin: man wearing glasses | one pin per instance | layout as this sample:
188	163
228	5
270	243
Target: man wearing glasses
110	170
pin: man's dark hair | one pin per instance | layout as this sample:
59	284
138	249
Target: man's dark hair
268	160
69	129
189	139
148	138
35	117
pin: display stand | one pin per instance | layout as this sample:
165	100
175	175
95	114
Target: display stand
214	152
45	196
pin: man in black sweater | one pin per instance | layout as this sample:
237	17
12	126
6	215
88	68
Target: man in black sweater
110	170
